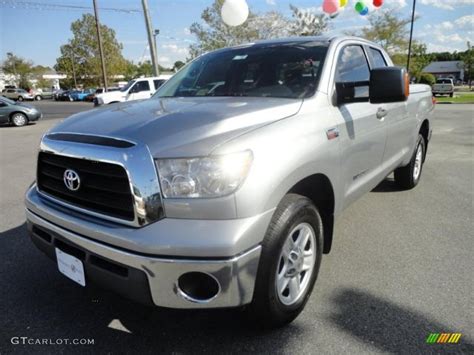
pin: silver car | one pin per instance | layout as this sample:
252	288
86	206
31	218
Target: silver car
222	190
17	94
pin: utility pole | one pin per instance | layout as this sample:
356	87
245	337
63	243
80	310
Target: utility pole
411	34
151	42
99	39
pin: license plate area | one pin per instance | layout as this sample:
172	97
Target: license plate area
71	267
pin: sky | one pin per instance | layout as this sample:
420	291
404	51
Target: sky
36	29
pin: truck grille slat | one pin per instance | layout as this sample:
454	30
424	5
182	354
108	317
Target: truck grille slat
104	187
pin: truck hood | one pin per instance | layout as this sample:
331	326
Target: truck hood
181	127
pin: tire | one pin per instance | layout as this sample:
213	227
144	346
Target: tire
19	119
407	177
71	99
295	217
20	98
451	95
38	98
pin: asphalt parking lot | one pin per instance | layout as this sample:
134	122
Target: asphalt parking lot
400	268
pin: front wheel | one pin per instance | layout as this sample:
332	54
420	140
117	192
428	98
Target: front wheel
20	98
407	177
38	98
18	119
289	262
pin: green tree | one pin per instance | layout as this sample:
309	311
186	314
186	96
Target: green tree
81	54
178	65
20	68
468	59
419	60
387	29
427	78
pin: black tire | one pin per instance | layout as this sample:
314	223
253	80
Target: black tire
266	309
38	98
451	95
20	98
405	176
18	119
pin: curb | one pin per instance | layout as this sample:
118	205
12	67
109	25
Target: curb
453	103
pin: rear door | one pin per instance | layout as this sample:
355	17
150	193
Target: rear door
361	133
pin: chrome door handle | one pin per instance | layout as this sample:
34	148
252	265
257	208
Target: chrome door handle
381	113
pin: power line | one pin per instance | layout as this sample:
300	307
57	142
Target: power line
34	5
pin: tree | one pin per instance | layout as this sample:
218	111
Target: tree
419	60
81	54
20	68
427	78
387	29
214	33
307	23
178	65
468	59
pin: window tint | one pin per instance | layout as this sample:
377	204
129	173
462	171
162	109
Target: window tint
443	81
142	86
289	70
378	60
352	66
158	82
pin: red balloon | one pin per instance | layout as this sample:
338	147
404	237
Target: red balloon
378	3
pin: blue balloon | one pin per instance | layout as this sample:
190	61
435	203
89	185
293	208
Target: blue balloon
365	11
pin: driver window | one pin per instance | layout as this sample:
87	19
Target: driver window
352	66
141	86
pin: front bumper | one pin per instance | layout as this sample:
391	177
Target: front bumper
235	274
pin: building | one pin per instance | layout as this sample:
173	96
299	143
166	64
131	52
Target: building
450	69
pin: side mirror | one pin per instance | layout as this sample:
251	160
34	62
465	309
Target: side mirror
388	84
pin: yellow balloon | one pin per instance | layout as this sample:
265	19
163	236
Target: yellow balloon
343	3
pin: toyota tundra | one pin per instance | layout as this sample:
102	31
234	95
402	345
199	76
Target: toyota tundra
222	189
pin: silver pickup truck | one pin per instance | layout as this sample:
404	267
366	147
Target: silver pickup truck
222	189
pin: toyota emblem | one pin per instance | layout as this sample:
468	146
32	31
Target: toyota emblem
71	180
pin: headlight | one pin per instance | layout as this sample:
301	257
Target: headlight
213	176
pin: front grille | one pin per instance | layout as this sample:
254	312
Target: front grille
104	187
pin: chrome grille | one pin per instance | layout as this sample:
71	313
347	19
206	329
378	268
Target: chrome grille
104	187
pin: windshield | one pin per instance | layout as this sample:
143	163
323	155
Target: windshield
129	84
281	70
8	101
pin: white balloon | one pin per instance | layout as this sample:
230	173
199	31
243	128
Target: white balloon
234	12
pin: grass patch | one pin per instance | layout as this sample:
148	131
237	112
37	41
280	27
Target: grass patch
459	98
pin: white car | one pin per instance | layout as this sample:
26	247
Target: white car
136	89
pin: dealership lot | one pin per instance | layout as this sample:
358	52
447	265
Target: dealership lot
400	269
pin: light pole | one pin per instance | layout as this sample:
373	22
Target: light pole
411	34
151	41
99	39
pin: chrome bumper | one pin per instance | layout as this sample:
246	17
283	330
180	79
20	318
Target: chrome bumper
235	275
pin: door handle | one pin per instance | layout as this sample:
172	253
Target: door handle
381	113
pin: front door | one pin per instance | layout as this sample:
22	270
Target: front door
362	133
140	91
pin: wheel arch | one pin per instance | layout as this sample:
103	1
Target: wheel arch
425	131
10	116
319	190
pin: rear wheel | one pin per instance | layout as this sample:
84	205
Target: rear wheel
20	98
407	177
289	262
38	98
19	119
